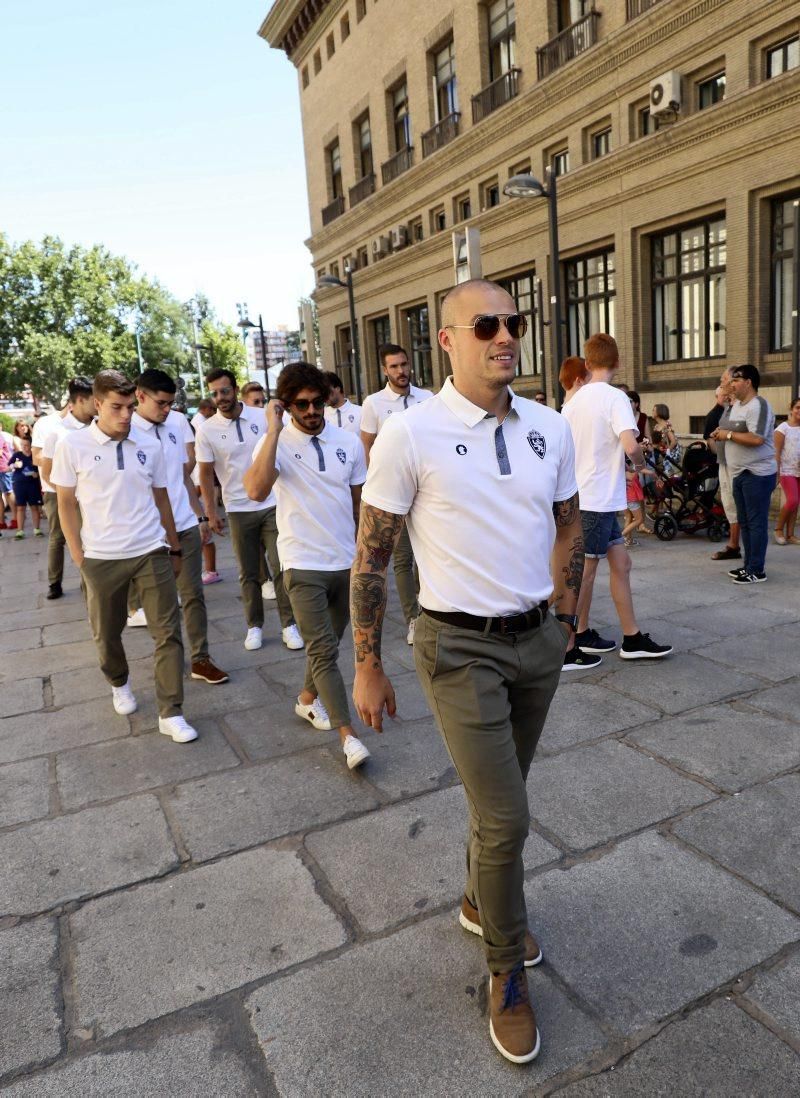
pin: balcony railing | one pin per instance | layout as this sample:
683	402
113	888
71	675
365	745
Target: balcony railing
494	95
572	41
333	210
397	164
637	7
441	134
363	189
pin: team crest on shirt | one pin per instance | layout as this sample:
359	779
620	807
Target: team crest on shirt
351	419
537	443
342	456
254	428
142	456
172	439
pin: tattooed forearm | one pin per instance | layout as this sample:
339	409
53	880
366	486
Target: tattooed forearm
377	533
568	559
566	511
573	570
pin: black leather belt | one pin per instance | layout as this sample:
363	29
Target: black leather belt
517	623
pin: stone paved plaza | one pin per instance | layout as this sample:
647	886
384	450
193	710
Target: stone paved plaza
243	916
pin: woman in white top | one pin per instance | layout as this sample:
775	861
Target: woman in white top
787	451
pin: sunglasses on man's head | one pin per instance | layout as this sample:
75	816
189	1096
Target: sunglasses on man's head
487	326
303	405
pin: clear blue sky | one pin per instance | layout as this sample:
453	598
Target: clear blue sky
166	130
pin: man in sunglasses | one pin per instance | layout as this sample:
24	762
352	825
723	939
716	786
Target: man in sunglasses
485	481
397	396
316	470
225	443
253	395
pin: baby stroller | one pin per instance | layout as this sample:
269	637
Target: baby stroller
688	502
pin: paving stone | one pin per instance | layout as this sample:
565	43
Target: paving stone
20	587
679	682
414	1022
411	703
229	811
726	616
777	993
43	733
612	790
777	649
19	640
103	771
409	758
245	690
43	661
781	700
71	687
412	855
202	1061
649	927
728	746
273	728
581	711
715	1052
53	861
24	791
67	609
756	833
29	993
153	949
22	696
66	632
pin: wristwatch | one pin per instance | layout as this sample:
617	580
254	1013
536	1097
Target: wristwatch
176	552
730	435
203	518
569	619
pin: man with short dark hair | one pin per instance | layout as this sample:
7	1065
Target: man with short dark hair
225	442
748	433
340	411
78	413
117	476
397	396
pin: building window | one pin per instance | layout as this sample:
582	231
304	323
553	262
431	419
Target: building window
362	257
570	11
401	119
330	46
380	332
462	208
361	10
335	270
415	230
317	61
363	146
502	38
601	143
438	220
711	91
320	272
783	57
520	286
305	76
559	162
490	194
783	245
335	170
591	297
689	292
444	66
522	168
645	122
344	26
419	339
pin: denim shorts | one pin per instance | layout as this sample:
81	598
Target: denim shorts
600	531
5	482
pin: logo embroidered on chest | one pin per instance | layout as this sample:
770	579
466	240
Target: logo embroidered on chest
461	449
254	428
537	443
142	456
172	439
352	419
97	457
342	456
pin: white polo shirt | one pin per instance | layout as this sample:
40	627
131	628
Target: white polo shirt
479	499
347	417
316	529
597	415
113	482
49	427
378	407
68	423
171	434
229	444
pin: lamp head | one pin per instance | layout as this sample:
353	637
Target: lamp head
524	186
329	280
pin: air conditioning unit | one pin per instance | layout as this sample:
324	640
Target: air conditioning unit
399	237
665	94
380	247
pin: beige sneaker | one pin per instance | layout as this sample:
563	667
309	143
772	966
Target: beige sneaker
470	919
512	1023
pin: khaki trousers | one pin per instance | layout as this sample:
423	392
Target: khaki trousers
107	583
56	539
190	589
321	605
253	532
405	576
490	696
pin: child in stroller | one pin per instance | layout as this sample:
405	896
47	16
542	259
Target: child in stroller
686	500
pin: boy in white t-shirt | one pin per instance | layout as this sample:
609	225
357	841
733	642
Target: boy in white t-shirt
604	431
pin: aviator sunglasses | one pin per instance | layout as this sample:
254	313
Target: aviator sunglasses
303	405
487	325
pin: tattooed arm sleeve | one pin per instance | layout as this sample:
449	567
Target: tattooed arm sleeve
567	556
378	532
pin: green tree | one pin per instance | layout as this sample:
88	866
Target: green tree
223	348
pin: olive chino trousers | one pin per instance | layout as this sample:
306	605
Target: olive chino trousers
190	588
405	576
56	539
253	533
321	605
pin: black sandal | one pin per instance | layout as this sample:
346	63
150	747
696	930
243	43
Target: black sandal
728	553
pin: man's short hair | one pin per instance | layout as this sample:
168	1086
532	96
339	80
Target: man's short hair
748	372
333	380
601	351
251	387
572	369
112	381
298	376
207	405
219	372
634	396
79	386
387	349
156	381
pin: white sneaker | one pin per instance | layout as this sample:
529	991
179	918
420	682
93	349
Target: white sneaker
137	619
178	728
268	590
354	752
291	638
123	699
316	713
412	625
254	639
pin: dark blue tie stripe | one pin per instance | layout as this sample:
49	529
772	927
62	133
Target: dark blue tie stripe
502	452
239	431
320	455
120	457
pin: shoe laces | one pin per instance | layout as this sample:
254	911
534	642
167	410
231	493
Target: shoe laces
516	989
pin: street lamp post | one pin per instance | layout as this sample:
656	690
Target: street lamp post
795	393
526	186
331	280
264	356
244	325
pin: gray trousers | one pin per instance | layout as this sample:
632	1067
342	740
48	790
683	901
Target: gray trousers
253	532
190	588
56	542
405	575
321	604
107	583
490	696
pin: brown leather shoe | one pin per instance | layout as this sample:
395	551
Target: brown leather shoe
205	670
470	920
512	1023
